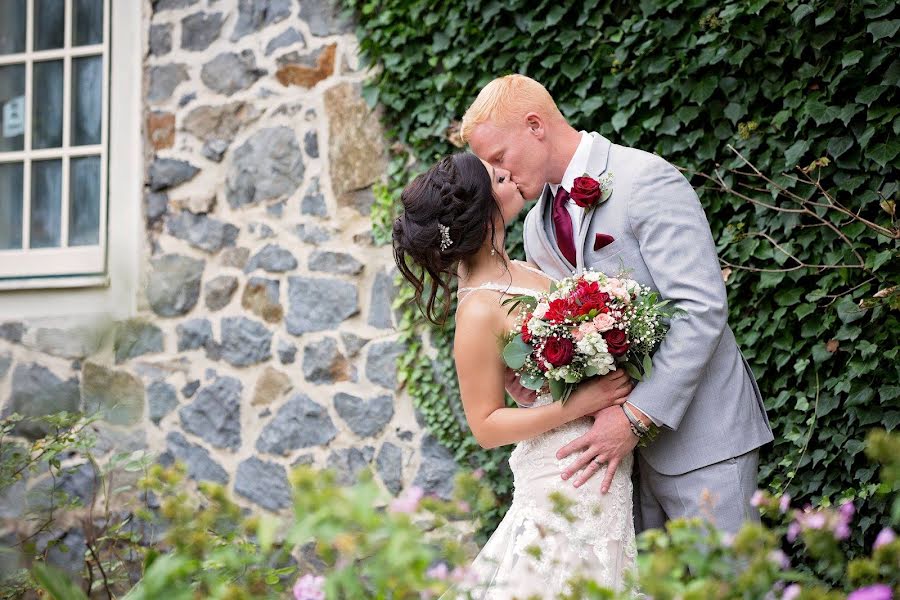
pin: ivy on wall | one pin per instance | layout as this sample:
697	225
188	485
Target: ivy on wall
810	256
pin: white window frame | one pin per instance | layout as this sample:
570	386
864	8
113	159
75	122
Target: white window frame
112	289
64	260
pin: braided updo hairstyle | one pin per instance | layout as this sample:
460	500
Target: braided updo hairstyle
456	193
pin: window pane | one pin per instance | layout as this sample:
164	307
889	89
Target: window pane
84	195
10	205
12	107
47	106
12	26
49	22
87	22
87	86
46	187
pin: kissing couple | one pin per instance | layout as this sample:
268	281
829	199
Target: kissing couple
701	406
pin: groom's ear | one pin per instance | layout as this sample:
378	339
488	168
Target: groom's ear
535	124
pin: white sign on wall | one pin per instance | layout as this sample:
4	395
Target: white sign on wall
14	117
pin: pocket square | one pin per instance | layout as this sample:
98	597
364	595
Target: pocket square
602	240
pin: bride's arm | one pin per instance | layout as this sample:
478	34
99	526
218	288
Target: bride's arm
481	381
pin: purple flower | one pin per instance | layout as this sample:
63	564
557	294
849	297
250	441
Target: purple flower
847	511
438	571
780	558
758	498
815	520
841	531
408	502
793	531
310	587
784	503
791	592
879	591
885	536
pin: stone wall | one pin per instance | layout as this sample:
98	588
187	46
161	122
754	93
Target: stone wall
265	332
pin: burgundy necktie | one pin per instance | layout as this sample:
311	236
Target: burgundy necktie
562	225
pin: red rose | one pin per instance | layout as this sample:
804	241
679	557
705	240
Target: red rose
559	351
585	192
616	342
526	335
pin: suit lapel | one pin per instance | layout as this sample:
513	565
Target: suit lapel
596	166
545	235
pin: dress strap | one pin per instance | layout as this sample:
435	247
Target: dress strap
494	287
527	266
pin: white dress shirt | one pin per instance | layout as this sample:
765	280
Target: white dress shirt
576	168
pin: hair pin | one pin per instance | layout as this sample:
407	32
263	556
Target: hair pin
446	242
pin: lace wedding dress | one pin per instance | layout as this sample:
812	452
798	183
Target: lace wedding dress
552	530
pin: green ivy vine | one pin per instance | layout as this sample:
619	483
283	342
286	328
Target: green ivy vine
718	89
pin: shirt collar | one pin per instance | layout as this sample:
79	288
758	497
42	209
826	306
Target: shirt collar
577	165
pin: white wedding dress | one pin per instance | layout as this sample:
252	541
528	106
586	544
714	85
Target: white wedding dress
536	550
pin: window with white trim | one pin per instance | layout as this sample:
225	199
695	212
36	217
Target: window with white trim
54	65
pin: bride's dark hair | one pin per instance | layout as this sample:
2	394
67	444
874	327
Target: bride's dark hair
455	193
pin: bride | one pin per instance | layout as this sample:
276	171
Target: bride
453	225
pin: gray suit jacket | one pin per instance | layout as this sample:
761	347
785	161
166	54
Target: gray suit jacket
701	391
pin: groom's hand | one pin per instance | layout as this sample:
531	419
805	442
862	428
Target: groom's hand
610	439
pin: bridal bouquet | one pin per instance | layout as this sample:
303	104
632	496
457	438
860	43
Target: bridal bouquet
586	325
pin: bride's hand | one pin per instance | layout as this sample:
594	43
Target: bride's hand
602	392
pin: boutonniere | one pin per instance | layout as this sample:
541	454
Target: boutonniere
588	192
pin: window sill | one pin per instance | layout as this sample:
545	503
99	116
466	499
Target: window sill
55	283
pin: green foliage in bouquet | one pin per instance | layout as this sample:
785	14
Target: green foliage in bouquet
785	116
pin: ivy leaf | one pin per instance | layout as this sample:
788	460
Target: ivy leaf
795	152
884	153
851	58
848	311
516	353
883	29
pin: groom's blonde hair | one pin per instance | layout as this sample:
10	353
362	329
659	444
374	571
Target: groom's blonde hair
505	99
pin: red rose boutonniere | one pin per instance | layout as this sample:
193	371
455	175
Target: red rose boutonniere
588	192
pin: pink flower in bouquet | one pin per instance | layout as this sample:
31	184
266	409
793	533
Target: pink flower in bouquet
559	351
408	502
583	330
310	587
603	322
616	287
879	591
885	537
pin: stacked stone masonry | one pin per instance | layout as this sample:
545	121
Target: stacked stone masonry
265	332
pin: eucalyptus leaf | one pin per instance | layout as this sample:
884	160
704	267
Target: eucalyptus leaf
516	353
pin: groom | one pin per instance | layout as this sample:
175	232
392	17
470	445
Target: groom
701	398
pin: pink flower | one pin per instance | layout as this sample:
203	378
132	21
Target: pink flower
438	571
616	287
603	322
583	330
408	502
841	531
784	503
793	531
780	558
791	592
758	498
879	591
885	537
478	473
310	587
847	511
465	576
